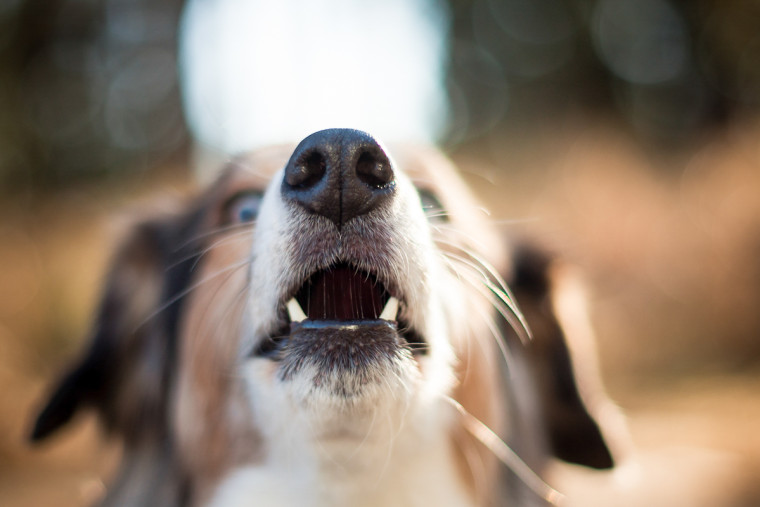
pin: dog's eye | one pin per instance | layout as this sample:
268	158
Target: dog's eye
243	207
432	206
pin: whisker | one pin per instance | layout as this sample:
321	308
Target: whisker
498	287
367	435
487	319
497	304
436	213
444	230
506	455
230	313
476	464
237	306
200	254
388	453
214	231
191	288
482	263
237	235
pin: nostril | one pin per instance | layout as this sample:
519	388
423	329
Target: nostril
339	174
374	169
307	171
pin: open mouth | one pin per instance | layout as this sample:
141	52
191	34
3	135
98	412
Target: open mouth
342	293
340	298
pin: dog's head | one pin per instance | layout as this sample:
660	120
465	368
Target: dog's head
326	298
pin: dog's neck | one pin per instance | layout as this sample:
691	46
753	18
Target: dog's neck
382	458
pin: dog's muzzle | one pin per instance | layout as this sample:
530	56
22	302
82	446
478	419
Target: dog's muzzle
341	313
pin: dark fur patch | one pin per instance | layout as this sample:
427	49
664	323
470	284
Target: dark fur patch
356	352
572	433
127	371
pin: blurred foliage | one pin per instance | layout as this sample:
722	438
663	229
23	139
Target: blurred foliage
89	87
669	69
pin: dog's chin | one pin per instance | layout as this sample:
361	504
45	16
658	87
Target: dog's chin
345	359
344	364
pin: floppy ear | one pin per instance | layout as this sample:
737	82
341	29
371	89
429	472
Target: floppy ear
578	418
124	374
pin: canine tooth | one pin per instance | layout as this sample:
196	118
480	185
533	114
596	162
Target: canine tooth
295	312
390	310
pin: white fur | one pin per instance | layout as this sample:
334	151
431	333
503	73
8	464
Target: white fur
406	464
390	443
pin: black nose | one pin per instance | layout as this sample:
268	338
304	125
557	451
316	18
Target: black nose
339	174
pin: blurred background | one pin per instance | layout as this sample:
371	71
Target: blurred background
623	133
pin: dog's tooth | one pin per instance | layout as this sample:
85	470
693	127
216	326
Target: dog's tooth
295	312
391	310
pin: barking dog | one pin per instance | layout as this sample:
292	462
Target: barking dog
315	329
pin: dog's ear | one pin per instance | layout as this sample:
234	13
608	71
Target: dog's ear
581	424
124	373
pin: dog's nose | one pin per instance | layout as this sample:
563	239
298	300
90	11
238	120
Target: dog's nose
339	174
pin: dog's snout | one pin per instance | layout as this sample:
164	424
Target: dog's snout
339	174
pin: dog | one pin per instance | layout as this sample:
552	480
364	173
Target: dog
329	324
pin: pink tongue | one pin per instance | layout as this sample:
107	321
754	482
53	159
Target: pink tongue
341	293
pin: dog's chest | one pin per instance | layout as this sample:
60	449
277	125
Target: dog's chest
374	477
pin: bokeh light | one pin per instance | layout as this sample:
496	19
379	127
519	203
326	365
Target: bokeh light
641	41
92	88
306	66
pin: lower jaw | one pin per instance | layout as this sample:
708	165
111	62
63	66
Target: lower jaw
351	349
336	365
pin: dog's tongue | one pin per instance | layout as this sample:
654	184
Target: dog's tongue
341	293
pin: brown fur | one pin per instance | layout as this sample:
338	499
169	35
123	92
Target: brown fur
168	334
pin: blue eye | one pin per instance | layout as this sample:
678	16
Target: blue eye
246	214
244	207
433	208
